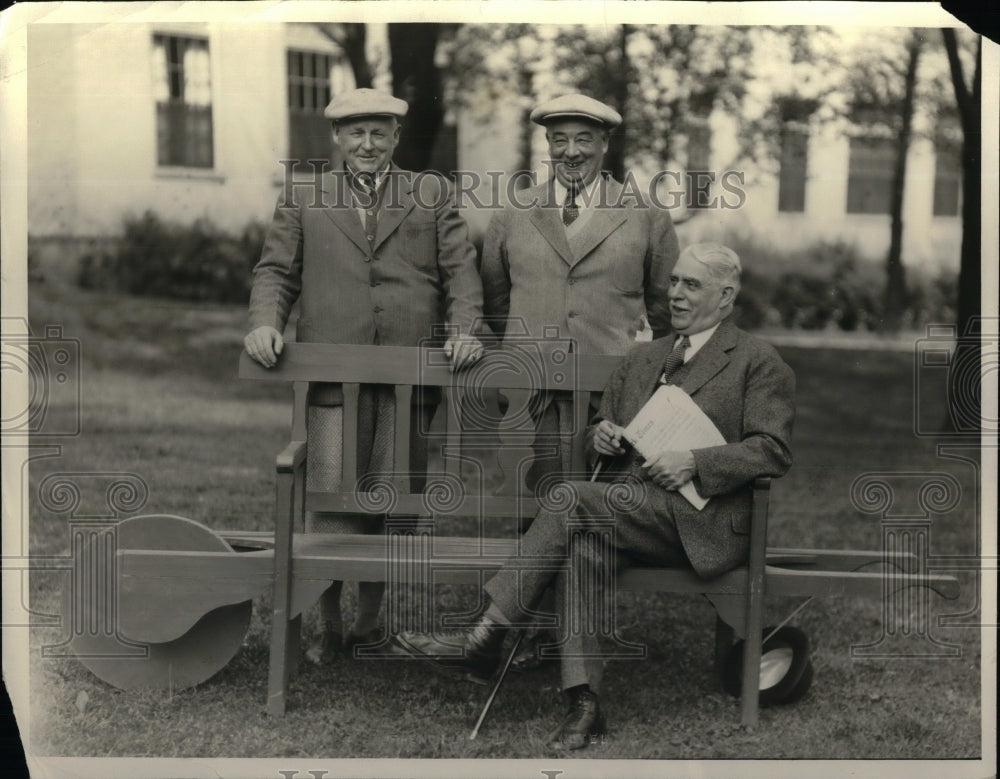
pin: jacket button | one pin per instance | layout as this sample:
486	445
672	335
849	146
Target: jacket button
571	314
370	237
368	259
572	282
377	309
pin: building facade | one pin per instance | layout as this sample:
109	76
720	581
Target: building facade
192	120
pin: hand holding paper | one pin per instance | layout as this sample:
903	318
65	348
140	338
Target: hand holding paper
671	422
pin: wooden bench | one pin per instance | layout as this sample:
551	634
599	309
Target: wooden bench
305	563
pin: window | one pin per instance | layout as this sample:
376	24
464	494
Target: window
792	175
947	178
309	90
699	175
869	178
183	90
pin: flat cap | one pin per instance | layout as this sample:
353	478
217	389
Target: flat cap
576	107
365	102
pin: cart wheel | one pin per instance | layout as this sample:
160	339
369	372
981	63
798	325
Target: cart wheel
786	670
183	662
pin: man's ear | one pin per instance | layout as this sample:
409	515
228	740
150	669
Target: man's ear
728	296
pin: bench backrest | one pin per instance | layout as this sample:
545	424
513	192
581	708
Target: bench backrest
519	370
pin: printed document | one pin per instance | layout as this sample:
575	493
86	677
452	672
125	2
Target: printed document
670	420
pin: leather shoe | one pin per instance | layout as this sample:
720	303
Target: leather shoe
473	656
325	651
583	723
352	640
528	657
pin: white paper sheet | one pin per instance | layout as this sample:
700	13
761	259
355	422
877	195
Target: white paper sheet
670	420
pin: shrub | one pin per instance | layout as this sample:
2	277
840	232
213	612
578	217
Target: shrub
193	262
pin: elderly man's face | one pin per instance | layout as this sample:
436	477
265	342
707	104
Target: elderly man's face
697	300
367	142
577	150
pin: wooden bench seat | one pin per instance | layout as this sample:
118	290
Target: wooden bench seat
304	563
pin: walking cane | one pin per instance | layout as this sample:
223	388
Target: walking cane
510	657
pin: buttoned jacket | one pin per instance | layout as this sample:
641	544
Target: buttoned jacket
416	271
593	288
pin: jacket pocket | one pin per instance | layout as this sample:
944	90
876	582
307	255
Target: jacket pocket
627	272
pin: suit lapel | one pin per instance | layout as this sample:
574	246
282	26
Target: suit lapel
711	358
547	219
397	203
337	201
602	221
650	374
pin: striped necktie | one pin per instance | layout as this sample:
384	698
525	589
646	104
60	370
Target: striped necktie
570	209
675	359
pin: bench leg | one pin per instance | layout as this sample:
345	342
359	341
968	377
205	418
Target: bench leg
750	693
282	626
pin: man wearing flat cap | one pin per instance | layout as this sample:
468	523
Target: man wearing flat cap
581	254
374	255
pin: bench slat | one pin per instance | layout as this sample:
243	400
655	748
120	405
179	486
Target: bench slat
349	462
401	453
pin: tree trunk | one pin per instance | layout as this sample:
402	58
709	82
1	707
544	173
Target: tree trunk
894	299
417	80
965	389
614	160
351	39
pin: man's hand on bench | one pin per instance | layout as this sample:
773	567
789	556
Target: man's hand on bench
264	344
463	351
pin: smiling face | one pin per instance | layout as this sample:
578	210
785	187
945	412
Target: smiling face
577	150
698	300
367	142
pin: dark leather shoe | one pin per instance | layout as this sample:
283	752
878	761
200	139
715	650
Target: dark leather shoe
582	725
528	657
352	639
460	655
325	651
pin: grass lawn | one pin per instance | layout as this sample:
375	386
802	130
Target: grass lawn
161	400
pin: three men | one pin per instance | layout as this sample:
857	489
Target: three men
373	254
747	391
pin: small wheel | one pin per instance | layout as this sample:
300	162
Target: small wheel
786	672
90	603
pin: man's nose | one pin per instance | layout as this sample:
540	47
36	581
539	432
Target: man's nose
571	150
366	141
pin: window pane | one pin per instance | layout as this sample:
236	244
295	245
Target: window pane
183	102
947	180
869	182
792	178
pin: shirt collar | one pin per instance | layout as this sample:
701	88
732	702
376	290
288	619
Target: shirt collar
379	175
586	195
698	340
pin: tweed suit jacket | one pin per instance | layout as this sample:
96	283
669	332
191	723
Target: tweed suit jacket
748	391
595	288
419	271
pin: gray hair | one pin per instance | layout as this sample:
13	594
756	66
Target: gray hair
722	262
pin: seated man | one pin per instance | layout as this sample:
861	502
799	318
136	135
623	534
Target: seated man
744	387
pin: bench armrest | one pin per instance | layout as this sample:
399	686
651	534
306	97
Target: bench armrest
291	457
762	483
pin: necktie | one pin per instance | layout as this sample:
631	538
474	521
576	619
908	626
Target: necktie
364	187
570	209
675	359
367	197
